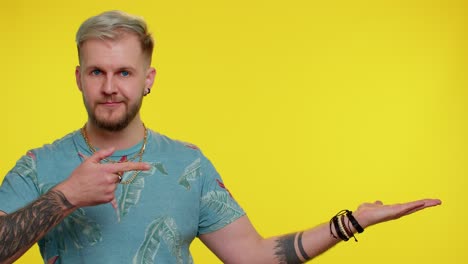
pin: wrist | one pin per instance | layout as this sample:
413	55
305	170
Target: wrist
69	198
361	219
354	224
345	225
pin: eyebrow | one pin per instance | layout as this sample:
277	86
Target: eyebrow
127	68
119	69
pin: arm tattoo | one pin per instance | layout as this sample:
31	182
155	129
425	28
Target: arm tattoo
21	229
285	249
301	247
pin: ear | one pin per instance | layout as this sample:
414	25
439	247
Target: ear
78	77
149	80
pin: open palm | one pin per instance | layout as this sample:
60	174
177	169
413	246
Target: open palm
369	214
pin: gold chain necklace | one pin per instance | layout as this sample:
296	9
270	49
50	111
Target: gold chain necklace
139	155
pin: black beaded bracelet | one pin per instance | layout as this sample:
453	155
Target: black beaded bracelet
354	222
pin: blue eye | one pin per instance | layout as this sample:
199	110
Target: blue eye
96	72
124	73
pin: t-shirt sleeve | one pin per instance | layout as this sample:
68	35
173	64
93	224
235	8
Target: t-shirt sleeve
217	206
19	186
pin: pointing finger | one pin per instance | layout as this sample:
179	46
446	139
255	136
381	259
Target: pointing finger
101	154
129	166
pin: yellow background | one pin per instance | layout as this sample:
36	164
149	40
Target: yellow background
305	107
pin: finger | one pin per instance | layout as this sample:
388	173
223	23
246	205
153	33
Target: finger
378	202
421	204
101	154
409	210
119	178
432	202
425	202
129	166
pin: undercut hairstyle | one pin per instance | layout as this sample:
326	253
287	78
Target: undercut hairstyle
111	25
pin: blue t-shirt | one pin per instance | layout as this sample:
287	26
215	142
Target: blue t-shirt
160	212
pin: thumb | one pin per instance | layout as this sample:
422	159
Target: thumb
101	154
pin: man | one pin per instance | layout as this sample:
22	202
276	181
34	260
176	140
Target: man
162	193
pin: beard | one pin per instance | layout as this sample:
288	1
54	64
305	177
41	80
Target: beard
117	124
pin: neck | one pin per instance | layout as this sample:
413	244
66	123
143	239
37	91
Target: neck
122	139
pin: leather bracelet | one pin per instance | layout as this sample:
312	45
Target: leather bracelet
342	231
337	229
354	222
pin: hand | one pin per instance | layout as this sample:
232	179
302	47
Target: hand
369	214
94	183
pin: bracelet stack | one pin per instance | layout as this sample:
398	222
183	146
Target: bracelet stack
343	231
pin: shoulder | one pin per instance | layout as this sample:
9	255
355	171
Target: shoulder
59	148
168	145
28	164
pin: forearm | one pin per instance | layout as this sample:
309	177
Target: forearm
301	246
21	229
242	244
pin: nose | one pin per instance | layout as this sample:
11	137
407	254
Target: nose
109	86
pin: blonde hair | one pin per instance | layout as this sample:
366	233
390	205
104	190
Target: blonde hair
111	25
